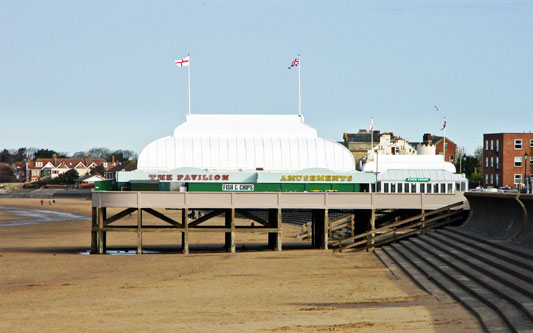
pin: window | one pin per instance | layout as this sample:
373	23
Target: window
450	188
393	187
428	188
486	144
518	178
400	188
518	144
486	162
497	145
105	165
531	161
491	144
35	172
442	188
492	178
497	162
497	180
422	188
531	143
386	187
518	161
486	178
38	164
413	188
492	162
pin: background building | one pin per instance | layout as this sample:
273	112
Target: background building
504	159
360	143
429	141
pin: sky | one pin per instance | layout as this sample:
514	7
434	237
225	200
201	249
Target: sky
81	74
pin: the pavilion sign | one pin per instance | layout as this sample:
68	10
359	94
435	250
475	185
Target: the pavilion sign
189	177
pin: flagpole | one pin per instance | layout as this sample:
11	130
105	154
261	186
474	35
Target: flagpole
299	88
189	82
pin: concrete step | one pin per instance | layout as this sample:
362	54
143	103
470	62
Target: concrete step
488	318
489	248
469	268
508	312
514	248
497	268
392	258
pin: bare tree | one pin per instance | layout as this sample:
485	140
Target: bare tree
100	152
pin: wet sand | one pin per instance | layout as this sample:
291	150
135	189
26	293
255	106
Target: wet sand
46	285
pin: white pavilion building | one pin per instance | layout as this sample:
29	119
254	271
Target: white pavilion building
272	143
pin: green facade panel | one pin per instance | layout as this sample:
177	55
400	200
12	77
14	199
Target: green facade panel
105	185
317	187
292	187
267	187
144	187
207	187
343	187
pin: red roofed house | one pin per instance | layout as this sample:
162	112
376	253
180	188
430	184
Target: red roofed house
54	166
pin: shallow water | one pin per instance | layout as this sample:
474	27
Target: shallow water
36	216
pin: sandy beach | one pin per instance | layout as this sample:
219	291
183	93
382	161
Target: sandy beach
47	284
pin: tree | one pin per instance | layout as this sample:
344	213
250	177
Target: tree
67	178
98	170
6	175
44	153
5	156
122	155
79	154
101	152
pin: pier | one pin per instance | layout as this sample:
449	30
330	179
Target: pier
271	205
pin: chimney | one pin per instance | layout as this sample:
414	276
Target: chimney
85	158
427	138
54	156
113	159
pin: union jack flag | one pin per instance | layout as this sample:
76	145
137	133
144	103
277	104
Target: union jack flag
295	62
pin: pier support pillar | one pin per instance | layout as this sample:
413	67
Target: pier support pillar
274	221
230	236
320	228
94	233
185	233
139	231
100	231
104	233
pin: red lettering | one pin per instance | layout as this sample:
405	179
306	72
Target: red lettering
180	177
210	177
187	177
161	177
169	177
217	177
193	177
204	177
152	177
225	177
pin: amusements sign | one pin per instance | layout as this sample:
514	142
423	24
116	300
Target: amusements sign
238	187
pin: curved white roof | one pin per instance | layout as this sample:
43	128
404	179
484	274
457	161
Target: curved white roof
245	142
411	162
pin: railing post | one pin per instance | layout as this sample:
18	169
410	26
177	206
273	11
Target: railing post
185	232
139	231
